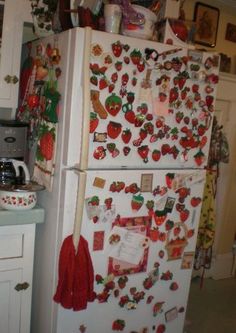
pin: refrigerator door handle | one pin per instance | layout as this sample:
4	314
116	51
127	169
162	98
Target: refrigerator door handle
74	168
79	207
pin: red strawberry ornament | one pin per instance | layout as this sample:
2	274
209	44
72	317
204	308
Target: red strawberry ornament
113	129
156	155
195	201
117	49
137	202
143	153
126	135
93	122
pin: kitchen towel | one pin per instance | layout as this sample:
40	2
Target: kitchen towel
76	276
45	154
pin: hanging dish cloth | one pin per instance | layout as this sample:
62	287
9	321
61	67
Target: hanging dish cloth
206	231
45	154
76	276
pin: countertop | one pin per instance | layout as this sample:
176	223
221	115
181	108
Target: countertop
16	217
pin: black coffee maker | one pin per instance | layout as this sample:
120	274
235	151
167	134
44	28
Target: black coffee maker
13	152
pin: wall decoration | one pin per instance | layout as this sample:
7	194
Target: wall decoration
206	18
230	32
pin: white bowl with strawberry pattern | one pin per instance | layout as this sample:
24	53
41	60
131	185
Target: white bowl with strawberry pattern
17	200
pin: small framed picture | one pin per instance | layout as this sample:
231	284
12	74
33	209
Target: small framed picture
187	260
171	314
206	18
231	32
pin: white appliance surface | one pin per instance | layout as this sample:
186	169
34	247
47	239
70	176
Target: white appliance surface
144	240
163	95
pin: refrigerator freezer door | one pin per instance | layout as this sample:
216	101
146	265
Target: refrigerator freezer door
141	227
145	105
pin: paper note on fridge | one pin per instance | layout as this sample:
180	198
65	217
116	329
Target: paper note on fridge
126	245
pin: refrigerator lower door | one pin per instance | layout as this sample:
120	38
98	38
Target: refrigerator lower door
141	228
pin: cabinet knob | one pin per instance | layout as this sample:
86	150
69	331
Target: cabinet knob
22	286
11	79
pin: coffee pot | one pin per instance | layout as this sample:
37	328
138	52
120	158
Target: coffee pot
13	171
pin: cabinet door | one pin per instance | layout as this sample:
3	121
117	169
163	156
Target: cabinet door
10	300
11	32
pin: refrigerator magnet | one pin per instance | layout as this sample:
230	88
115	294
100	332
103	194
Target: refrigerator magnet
96	50
107	215
170	202
99	137
107	59
195	56
98	240
171	314
82	328
187	260
99	182
146	182
158	308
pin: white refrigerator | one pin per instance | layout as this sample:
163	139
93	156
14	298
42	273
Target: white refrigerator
133	138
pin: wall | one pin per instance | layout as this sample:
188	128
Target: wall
227	15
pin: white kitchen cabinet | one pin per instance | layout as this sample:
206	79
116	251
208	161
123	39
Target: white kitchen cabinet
13	15
16	271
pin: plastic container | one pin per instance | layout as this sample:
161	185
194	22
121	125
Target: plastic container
144	30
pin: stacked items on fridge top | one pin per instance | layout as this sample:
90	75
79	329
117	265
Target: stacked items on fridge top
155	103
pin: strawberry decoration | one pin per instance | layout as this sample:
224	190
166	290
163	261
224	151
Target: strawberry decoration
169	179
117	49
143	153
143	134
137	202
94	201
117	186
161	328
113	104
113	129
135	56
153	234
126	135
174	286
45	147
174	94
190	233
126	150
114	77
118	325
130	116
132	188
149	299
103	83
126	60
156	155
167	276
93	122
99	153
108	203
118	66
184	214
195	201
157	308
199	158
122	281
179	116
94	80
160	217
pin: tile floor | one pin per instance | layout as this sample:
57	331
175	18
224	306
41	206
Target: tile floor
211	309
